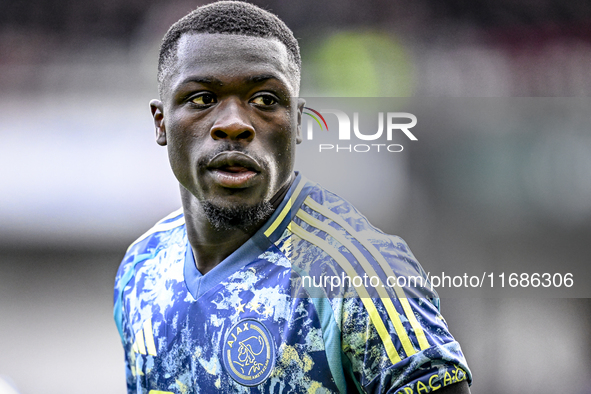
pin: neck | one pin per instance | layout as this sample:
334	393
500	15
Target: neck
212	245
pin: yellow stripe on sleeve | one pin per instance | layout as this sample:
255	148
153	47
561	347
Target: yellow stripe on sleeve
384	296
361	290
140	342
149	335
285	209
419	333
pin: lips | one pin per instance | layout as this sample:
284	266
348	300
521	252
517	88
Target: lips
233	169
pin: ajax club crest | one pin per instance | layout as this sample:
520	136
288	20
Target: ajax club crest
249	352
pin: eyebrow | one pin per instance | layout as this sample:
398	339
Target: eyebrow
203	80
212	80
261	78
255	79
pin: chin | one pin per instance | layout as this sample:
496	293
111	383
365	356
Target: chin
237	216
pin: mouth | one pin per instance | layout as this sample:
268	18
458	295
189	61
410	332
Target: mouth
234	170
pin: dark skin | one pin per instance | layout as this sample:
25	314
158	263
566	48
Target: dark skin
230	121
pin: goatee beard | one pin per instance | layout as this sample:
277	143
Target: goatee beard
245	218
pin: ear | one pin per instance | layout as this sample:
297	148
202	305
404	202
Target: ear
158	114
301	103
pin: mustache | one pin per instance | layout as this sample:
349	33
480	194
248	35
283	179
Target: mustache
227	147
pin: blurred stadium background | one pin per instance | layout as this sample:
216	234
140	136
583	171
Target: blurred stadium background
81	176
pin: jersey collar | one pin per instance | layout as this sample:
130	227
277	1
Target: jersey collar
268	234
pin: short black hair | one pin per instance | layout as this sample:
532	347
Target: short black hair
228	17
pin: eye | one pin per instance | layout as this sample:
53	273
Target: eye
264	100
204	99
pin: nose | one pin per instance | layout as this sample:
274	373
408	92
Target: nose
232	123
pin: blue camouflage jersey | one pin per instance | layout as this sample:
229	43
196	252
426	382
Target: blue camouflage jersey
269	318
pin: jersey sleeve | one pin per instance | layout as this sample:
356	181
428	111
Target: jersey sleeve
393	338
375	368
128	282
122	280
130	359
400	344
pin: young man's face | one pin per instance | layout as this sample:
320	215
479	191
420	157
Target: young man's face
229	118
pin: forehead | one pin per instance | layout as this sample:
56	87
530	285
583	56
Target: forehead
226	57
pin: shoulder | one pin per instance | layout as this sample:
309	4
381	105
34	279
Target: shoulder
154	236
350	220
325	215
146	259
166	233
384	300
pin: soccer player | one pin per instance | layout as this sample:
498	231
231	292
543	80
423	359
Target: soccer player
229	293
